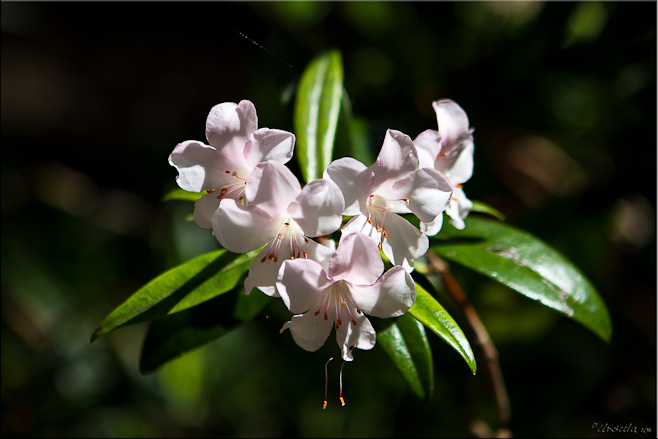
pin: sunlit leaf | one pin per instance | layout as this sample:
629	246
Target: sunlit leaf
317	107
527	265
406	343
479	206
182	287
180	194
174	335
431	314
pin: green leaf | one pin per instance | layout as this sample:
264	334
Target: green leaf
317	107
180	194
176	334
182	287
406	343
431	314
526	264
479	206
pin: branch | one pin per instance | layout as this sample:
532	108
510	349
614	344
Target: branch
483	341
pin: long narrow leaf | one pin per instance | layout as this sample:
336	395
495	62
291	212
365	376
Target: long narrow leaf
431	314
527	265
317	107
172	336
182	287
406	343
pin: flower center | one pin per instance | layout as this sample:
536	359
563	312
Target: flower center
378	207
336	298
234	189
289	238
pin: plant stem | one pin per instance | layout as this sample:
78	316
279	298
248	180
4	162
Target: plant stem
483	341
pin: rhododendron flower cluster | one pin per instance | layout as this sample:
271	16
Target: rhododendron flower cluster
251	200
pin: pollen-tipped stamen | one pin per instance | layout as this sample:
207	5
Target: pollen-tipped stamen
326	379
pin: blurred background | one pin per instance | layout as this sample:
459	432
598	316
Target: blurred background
562	97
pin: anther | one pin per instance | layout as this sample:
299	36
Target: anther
342	401
235	173
369	221
354	322
379	229
210	191
264	258
228	172
453	198
305	255
385	235
317	313
343	304
459	186
443	154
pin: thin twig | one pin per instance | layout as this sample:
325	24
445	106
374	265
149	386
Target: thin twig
482	339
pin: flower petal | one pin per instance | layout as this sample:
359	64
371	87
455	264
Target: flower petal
392	295
428	146
263	275
229	126
309	331
240	228
404	242
433	227
199	166
353	179
359	224
357	260
362	335
453	123
300	283
272	187
318	208
269	144
204	208
459	208
426	190
458	164
397	158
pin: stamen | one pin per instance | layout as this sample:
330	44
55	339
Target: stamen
459	186
324	405
340	379
443	154
210	191
453	198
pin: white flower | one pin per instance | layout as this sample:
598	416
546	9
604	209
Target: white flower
236	147
392	185
450	150
279	213
341	294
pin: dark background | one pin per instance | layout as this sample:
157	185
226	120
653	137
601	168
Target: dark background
562	97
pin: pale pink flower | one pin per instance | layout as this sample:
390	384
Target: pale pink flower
281	215
236	147
339	294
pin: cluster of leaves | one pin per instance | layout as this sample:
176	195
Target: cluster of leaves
203	299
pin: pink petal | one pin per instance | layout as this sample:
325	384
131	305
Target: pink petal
362	336
397	158
404	243
300	283
453	123
353	179
229	126
199	166
458	164
263	274
392	295
266	144
204	208
357	260
309	331
433	227
240	228
428	146
318	208
272	187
